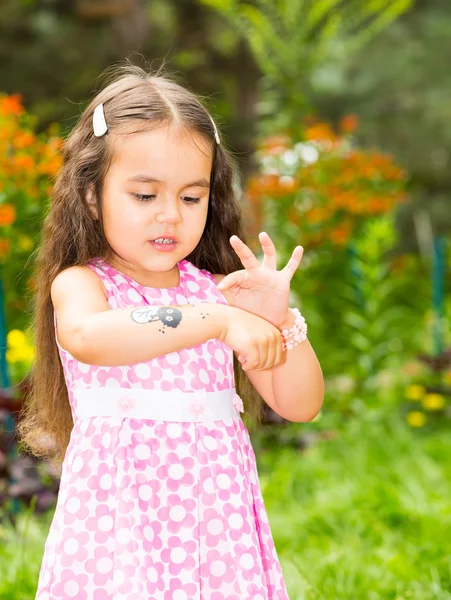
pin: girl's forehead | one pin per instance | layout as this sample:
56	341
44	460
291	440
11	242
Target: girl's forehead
166	141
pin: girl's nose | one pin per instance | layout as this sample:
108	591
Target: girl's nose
170	213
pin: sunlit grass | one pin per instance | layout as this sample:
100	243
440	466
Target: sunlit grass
364	516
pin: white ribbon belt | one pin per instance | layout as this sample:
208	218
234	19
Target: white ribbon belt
156	405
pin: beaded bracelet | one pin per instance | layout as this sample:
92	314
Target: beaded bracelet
296	334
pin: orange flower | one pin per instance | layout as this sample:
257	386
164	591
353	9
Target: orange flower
7	214
274	144
11	105
349	123
5	246
341	234
24	140
23	162
320	132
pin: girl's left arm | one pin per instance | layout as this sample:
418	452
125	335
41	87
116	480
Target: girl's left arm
295	388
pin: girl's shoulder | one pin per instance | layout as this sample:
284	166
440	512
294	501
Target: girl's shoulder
76	280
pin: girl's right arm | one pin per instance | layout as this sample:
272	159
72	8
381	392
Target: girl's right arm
97	335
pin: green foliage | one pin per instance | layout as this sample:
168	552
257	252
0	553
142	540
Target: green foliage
289	40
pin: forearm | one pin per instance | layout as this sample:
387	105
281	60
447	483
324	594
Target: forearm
297	383
123	336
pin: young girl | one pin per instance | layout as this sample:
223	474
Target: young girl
134	390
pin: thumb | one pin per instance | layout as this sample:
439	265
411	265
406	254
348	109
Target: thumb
231	280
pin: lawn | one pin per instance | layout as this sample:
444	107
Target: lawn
364	515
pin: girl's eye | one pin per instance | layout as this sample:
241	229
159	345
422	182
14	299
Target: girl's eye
144	197
147	197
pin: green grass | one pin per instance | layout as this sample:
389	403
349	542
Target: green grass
364	516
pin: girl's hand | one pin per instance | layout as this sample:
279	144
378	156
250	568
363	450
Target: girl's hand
261	289
257	343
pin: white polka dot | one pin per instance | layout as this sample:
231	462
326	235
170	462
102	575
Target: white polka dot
217	568
149	533
71	546
176	471
208	486
220	356
252	477
105	523
173	430
203	376
177	513
152	574
118	577
84	368
173	358
193	286
178	555
179	595
223	481
142	371
247	561
78	464
142	451
263	515
105	565
123	536
106	440
71	589
214	526
210	442
106	481
236	521
145	492
46	578
133	295
72	505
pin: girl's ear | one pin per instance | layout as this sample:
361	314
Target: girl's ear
92	204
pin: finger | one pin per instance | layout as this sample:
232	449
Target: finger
269	251
247	257
253	359
294	262
231	280
271	356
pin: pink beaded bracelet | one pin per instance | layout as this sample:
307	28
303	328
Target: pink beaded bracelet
296	334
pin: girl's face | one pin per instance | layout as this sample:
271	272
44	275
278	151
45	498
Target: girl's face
157	185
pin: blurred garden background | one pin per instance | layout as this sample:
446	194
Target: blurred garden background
339	115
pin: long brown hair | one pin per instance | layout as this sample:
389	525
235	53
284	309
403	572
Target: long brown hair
134	100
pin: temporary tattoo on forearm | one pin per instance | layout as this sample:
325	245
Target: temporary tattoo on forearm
168	315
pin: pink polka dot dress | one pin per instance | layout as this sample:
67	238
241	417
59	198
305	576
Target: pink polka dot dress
159	496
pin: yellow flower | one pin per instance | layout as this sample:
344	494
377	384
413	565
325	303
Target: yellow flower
415	418
414	392
25	242
433	402
11	356
16	338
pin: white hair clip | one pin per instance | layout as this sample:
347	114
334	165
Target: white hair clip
217	138
98	121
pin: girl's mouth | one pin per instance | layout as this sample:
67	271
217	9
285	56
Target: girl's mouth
164	244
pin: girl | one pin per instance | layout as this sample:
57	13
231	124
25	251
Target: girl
134	388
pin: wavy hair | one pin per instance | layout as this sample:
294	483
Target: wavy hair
133	101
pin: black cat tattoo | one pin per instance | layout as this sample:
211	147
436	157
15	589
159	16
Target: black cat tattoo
168	315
